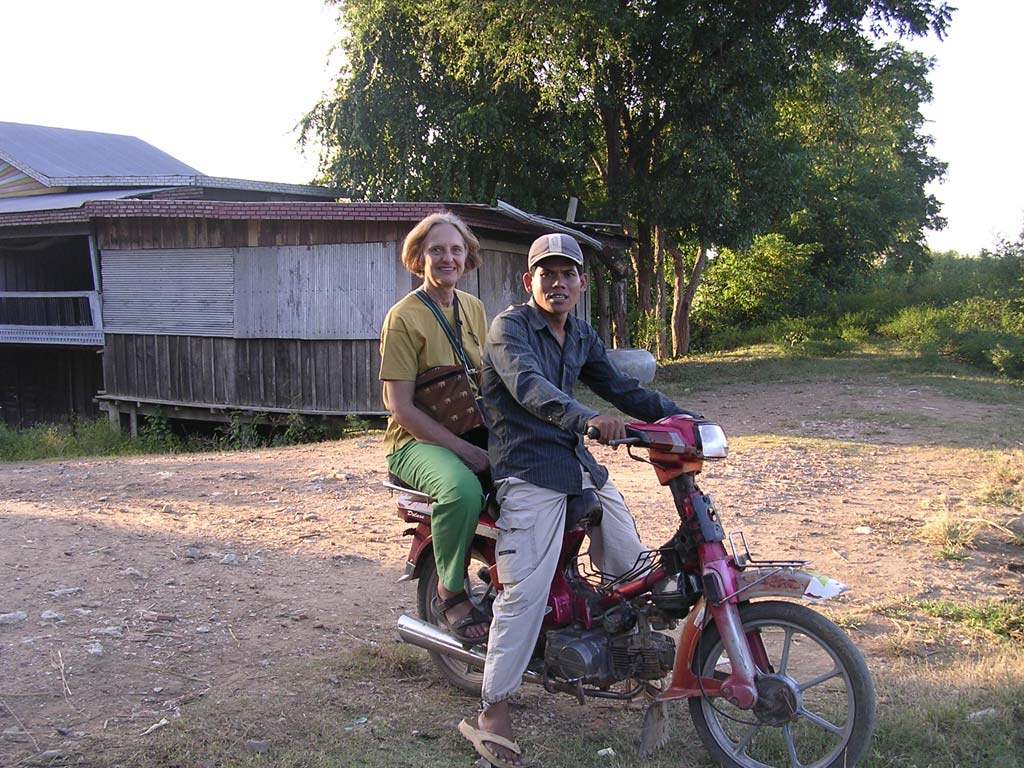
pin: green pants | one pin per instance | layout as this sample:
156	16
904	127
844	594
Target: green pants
458	499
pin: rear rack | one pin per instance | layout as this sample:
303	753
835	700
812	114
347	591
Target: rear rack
745	560
412	491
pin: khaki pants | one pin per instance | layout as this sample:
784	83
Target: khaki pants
529	541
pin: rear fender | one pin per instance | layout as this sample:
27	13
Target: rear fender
422	546
755	583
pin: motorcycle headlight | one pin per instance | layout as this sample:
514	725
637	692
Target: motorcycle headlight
714	444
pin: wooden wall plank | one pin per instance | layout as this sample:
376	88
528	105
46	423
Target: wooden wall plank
48	385
333	291
316	375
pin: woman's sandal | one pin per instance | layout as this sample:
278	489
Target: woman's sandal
474	618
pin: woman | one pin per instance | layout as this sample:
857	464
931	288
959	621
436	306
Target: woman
422	452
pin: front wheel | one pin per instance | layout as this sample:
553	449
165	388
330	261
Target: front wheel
816	702
462	676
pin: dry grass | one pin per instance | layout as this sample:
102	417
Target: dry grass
956	709
950	532
1005	485
383	706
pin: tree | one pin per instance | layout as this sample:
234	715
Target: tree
672	103
407	121
753	286
857	116
682	97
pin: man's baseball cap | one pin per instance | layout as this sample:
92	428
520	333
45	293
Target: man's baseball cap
554	244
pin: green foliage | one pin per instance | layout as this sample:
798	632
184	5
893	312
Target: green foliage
93	437
980	331
917	326
857	116
156	436
96	437
356	425
417	115
1004	618
854	327
239	433
704	126
970	309
300	429
753	286
645	331
808	337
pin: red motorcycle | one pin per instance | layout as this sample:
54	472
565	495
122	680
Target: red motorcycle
769	681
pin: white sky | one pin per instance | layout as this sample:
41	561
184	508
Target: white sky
220	84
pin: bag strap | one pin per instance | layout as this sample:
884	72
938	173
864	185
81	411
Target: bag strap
455	339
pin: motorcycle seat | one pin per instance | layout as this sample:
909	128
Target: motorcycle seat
490	505
583	510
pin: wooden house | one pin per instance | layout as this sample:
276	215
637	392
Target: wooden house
149	288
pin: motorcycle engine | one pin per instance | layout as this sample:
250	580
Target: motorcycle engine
596	658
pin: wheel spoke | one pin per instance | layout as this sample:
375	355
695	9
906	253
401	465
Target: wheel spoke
834	672
794	761
821	722
786	644
825	690
740	747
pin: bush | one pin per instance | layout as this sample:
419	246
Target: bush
300	429
749	288
92	437
1001	315
808	337
855	327
984	332
917	327
1009	362
239	434
156	436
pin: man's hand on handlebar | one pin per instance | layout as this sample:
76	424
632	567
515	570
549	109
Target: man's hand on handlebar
606	428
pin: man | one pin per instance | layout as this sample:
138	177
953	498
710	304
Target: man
535	353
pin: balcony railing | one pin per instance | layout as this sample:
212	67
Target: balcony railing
51	317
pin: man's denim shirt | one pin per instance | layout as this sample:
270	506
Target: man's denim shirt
527	381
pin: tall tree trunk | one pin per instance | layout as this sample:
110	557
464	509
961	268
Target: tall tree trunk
599	281
661	295
620	320
616	264
684	296
643	268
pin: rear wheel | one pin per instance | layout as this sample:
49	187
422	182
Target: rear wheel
816	702
460	675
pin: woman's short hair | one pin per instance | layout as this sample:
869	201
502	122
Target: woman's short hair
412	247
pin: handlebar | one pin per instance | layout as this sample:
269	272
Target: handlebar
632	437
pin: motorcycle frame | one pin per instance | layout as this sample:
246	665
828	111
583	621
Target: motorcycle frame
725	577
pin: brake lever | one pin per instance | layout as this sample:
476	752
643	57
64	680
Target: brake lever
625	441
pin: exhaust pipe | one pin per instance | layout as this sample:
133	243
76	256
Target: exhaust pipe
423	635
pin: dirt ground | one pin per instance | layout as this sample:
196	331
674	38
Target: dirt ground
147	581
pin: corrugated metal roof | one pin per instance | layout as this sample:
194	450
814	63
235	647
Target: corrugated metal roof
55	153
64	200
63	157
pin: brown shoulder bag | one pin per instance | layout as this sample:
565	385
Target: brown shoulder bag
446	393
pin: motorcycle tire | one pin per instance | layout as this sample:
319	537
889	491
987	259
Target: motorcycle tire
460	675
816	701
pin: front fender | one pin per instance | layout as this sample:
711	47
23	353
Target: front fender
786	582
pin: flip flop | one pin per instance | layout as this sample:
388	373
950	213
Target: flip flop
478	739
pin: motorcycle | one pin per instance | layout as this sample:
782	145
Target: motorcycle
769	682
